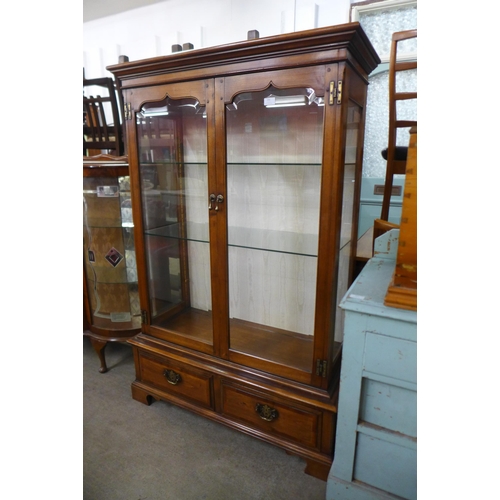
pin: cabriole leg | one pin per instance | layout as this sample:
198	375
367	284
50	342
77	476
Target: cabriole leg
99	346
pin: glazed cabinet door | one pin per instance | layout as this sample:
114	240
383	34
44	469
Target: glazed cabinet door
168	131
110	275
275	125
246	191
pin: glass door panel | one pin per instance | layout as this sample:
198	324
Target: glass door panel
172	140
109	253
274	148
354	114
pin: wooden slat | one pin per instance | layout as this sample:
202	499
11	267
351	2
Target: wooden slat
404	35
405	65
405	123
102	125
403	96
94	121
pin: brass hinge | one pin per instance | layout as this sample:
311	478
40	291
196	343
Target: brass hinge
321	367
127	109
144	317
333	93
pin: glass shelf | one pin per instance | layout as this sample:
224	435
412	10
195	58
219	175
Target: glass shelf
243	237
94	191
194	232
100	224
273	164
274	241
248	163
168	161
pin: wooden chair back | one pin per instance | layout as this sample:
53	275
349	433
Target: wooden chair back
102	128
396	155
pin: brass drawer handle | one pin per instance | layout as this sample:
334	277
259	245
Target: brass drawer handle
265	412
172	377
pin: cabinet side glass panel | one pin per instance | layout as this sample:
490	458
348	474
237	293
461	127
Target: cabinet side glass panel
274	146
351	154
172	140
109	253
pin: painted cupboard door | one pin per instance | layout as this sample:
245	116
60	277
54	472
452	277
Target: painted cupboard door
172	176
274	125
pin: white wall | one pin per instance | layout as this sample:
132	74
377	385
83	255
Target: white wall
151	31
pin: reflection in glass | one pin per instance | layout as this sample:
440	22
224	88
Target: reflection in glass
174	184
109	254
274	145
351	153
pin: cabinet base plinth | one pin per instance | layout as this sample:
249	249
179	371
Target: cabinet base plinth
299	423
143	396
317	470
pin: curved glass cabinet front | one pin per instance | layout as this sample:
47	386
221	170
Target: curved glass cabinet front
110	271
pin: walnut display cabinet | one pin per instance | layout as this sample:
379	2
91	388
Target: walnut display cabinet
245	168
111	304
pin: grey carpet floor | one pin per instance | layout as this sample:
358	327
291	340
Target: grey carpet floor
161	452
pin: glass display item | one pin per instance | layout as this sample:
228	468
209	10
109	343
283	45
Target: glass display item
111	295
245	165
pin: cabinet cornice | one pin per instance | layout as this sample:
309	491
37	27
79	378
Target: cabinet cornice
333	38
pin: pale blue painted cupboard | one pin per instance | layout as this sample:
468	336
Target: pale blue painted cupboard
370	203
376	444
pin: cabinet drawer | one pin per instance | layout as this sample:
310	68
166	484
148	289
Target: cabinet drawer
178	379
283	419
